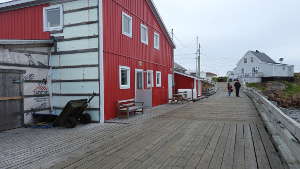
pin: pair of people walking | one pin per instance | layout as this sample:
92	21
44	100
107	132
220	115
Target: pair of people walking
237	86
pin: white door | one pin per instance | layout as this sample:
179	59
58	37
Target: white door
139	85
170	86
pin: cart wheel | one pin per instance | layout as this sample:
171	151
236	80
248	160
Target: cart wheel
85	119
70	122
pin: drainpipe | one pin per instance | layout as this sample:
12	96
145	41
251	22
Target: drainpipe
101	61
49	77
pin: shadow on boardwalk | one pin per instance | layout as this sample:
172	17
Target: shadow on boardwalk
218	133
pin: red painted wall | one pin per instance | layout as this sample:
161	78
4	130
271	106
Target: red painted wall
122	50
183	82
23	24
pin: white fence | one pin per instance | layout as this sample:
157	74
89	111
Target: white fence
284	130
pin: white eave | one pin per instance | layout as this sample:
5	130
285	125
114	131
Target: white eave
26	42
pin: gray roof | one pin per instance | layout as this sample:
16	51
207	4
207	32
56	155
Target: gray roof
263	57
179	68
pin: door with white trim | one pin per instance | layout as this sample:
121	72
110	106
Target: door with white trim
170	86
139	85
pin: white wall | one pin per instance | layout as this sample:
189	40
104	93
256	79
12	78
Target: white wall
36	92
77	74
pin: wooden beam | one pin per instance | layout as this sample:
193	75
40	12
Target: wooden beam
11	98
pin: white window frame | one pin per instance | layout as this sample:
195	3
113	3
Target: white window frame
152	84
155	45
158	75
128	77
45	18
129	34
147	34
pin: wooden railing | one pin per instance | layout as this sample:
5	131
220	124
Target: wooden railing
284	130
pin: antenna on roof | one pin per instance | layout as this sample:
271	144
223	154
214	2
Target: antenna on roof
281	60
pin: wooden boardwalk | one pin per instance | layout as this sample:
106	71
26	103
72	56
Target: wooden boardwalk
218	133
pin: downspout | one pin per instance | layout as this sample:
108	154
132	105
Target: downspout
49	77
101	61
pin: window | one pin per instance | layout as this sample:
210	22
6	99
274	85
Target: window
158	79
144	34
243	71
126	25
252	59
53	18
124	77
245	60
149	78
156	40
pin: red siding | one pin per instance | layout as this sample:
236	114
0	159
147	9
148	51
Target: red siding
125	51
183	82
25	24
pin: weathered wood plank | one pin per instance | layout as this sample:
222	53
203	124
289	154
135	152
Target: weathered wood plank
250	158
205	160
229	150
239	151
261	156
272	154
216	161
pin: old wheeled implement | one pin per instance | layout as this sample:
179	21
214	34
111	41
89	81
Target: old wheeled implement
73	113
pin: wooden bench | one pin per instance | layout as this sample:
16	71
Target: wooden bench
125	107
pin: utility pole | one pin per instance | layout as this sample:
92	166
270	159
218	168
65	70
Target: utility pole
198	56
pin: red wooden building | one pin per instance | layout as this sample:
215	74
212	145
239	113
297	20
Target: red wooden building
119	49
185	82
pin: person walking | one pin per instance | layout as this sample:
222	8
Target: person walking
229	89
237	86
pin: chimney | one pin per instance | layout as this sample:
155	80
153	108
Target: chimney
257	51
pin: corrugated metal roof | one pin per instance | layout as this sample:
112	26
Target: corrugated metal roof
180	68
263	57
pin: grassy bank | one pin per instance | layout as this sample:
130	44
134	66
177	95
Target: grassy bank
292	88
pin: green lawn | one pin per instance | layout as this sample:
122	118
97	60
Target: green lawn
258	86
292	88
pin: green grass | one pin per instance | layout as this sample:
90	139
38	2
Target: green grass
292	88
258	86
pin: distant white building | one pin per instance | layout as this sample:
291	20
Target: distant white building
256	65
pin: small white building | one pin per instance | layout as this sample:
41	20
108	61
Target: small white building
256	66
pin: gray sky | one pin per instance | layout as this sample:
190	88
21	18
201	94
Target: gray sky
229	28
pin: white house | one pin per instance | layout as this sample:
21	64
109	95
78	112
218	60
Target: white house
256	66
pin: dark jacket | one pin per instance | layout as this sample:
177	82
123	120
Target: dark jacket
237	85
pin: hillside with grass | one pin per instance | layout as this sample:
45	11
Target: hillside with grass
286	94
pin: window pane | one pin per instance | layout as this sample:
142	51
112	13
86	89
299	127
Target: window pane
124	77
140	80
149	81
144	33
156	41
53	17
126	24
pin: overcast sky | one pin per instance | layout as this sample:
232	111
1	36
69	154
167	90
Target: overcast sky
227	29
